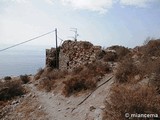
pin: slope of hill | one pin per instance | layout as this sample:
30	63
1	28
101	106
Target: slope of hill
91	84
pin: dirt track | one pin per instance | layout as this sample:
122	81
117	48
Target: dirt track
40	105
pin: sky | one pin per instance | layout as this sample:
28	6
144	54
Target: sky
102	22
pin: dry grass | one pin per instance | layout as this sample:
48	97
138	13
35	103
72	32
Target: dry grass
155	81
126	71
93	71
56	74
77	70
87	45
131	99
145	65
110	56
39	73
76	84
7	78
28	110
100	54
46	84
152	48
51	73
120	51
49	78
150	59
10	89
24	78
97	68
85	78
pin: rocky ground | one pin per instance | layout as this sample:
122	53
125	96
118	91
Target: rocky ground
39	105
88	92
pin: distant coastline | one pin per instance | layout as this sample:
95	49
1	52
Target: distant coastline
21	60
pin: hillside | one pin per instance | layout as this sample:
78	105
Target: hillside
115	83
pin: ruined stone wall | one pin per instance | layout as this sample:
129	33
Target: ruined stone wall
73	54
51	60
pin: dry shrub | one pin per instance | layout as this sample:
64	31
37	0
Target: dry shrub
110	56
120	51
77	70
150	66
132	100
49	77
7	78
51	73
77	84
97	68
10	89
155	81
57	74
46	84
85	77
24	78
39	73
126	71
100	54
87	45
46	71
152	48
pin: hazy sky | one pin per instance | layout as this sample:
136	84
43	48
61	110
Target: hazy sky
102	22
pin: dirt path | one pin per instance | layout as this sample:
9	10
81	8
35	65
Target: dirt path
59	107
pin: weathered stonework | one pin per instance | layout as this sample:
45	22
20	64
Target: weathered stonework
51	57
73	54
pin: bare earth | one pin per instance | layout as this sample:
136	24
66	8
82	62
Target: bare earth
39	105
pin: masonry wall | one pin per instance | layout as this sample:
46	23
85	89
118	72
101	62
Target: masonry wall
73	54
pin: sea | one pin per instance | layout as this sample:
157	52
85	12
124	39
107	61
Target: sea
21	60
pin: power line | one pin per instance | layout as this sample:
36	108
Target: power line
61	41
27	41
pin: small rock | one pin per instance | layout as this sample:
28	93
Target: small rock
39	107
30	94
33	96
67	108
59	109
102	107
50	97
137	77
36	84
68	101
23	95
154	58
15	102
91	108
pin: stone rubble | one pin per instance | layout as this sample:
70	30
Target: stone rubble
73	54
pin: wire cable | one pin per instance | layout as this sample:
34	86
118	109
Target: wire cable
61	40
27	41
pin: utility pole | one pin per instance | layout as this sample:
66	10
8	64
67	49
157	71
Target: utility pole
57	64
56	36
76	34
